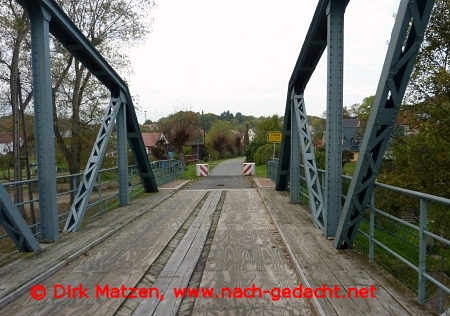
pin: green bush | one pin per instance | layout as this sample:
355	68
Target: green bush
252	148
319	154
265	152
187	150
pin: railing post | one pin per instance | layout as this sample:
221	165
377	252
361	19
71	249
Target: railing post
99	186
372	228
74	188
131	194
422	249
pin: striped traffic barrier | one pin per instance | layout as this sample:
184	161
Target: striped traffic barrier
249	168
202	170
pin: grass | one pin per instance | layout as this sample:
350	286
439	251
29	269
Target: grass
261	171
190	173
349	168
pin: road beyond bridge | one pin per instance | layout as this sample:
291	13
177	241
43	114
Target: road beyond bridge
235	243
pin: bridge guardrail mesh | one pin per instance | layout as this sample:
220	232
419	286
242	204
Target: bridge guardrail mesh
403	231
105	194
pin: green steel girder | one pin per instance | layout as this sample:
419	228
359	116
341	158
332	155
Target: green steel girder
407	36
14	224
81	201
335	82
310	54
316	203
65	31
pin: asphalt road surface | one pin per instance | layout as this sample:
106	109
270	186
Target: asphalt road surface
230	167
226	175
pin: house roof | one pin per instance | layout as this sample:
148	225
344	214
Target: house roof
350	122
150	139
6	137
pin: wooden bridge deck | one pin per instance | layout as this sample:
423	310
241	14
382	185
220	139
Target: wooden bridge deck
221	239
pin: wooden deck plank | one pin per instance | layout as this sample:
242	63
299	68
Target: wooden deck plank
322	263
149	306
119	263
178	270
21	271
185	245
247	250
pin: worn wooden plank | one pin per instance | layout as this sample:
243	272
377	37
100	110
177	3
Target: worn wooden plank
247	250
119	262
149	306
170	304
22	271
181	265
179	254
322	264
228	284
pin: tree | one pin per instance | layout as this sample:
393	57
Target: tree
238	143
159	151
246	136
178	128
78	98
220	139
269	124
347	156
318	124
264	152
421	158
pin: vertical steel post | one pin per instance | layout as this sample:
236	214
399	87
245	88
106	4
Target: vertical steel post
406	38
43	121
99	183
122	153
422	250
294	169
333	163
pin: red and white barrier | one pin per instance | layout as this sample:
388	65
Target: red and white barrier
249	168
202	170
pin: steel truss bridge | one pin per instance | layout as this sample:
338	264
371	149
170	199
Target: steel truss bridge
326	31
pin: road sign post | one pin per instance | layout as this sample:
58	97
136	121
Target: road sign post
274	137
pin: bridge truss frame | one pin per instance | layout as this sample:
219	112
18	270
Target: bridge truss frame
47	17
326	31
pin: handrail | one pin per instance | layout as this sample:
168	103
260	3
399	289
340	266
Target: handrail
423	234
105	191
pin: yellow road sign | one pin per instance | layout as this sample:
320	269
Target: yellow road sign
274	137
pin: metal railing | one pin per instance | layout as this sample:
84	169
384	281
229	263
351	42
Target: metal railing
400	243
272	168
103	198
167	170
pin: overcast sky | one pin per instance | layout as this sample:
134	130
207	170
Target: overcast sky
238	55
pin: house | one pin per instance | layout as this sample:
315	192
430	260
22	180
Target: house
196	143
251	134
350	138
7	143
152	126
150	140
